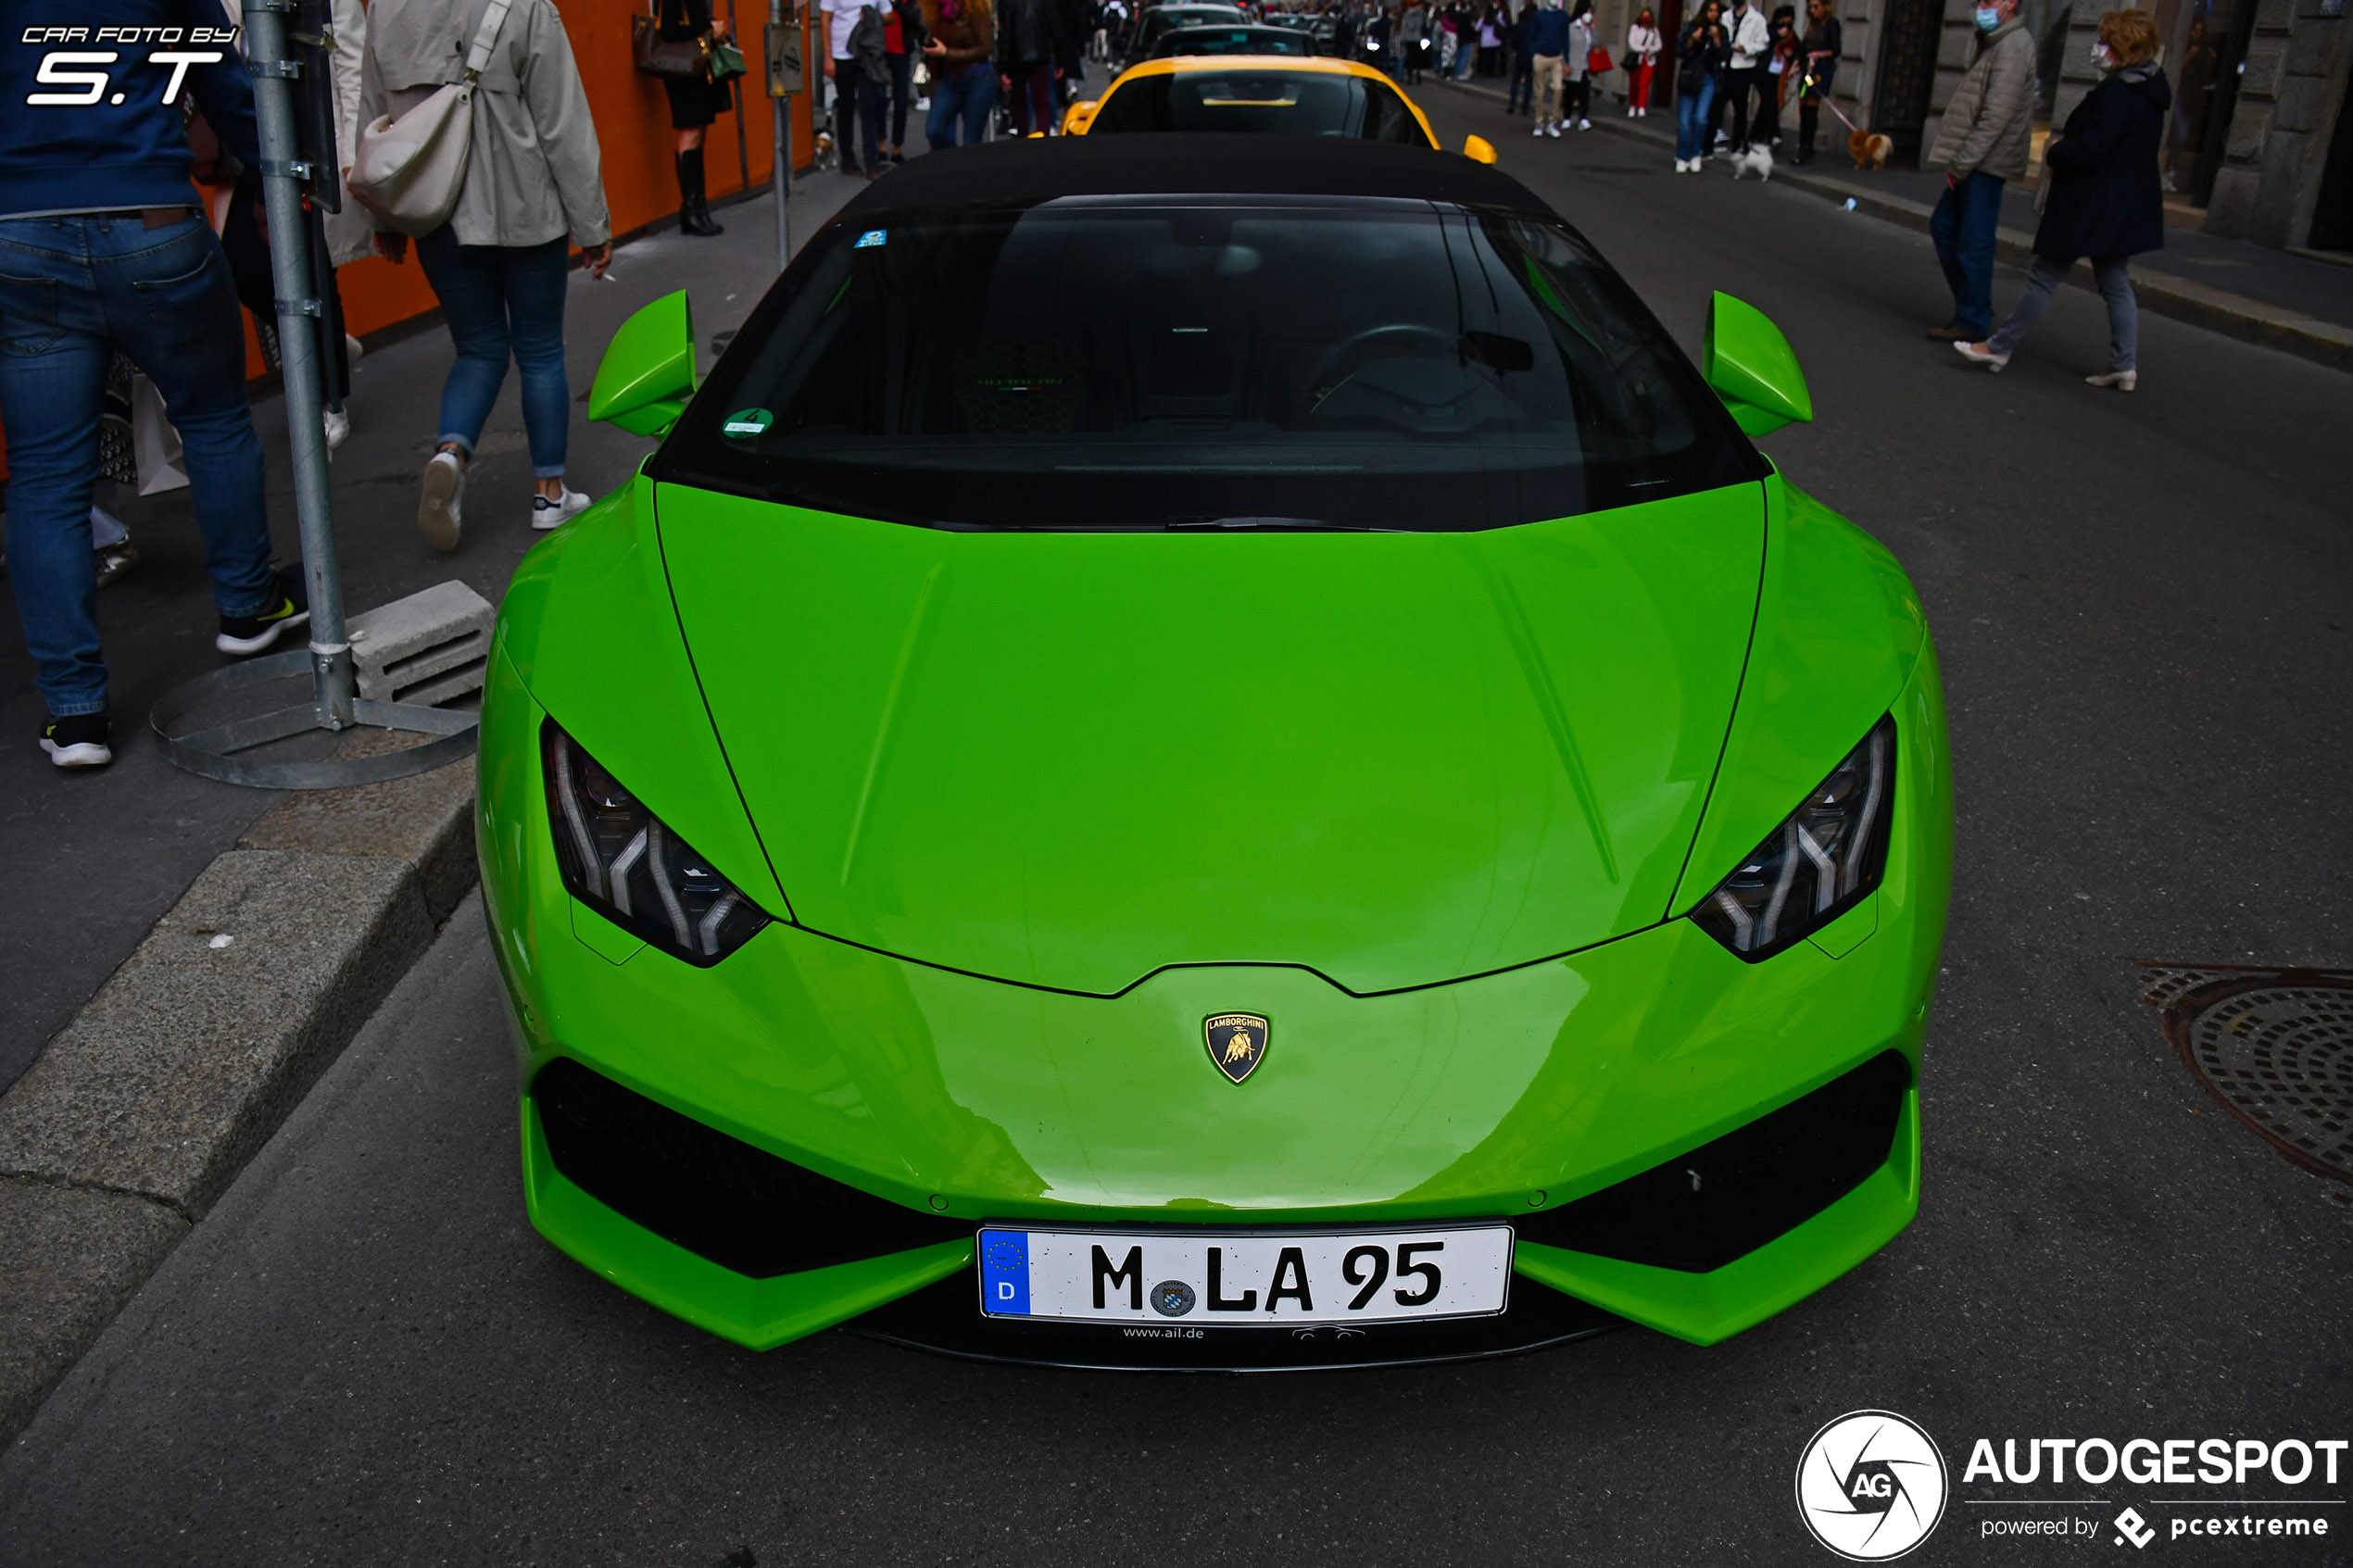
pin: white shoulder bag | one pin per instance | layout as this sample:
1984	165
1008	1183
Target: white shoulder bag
409	171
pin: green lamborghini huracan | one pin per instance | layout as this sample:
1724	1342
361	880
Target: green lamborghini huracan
1210	751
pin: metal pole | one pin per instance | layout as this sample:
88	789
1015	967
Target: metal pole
281	177
780	175
735	97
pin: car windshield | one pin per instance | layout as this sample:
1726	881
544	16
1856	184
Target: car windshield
1164	20
1116	363
1232	40
1304	102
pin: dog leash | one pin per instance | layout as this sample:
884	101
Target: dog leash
1808	86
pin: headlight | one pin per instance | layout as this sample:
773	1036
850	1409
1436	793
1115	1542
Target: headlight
618	858
1825	859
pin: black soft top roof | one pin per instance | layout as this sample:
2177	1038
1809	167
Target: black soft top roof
1192	163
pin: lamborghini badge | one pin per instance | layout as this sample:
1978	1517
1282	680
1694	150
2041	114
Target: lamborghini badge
1236	1043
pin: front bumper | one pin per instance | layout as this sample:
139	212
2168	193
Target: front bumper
959	1099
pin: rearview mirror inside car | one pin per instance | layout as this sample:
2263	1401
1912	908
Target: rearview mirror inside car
1479	149
1749	364
648	371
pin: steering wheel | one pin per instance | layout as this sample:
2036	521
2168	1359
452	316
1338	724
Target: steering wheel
1398	340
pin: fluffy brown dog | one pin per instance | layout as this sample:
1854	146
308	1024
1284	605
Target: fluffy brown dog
1870	148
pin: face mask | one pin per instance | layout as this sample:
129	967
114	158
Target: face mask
1988	19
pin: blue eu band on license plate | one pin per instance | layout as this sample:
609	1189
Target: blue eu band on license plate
1004	1271
1245	1279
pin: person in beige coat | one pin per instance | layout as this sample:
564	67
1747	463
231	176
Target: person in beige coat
501	267
1980	144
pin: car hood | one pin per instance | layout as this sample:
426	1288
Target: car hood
1073	760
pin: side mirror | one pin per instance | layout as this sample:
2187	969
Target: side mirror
648	371
1075	119
1479	150
1749	364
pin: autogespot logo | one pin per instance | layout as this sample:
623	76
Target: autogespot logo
1871	1485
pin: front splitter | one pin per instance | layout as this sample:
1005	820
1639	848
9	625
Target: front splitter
942	1317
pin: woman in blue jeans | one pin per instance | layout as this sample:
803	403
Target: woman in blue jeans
1704	52
963	81
501	266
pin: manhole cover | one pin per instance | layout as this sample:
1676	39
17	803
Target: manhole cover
2276	1046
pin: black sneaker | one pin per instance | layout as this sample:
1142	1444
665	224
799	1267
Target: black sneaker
78	742
245	636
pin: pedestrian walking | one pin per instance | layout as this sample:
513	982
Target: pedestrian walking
694	103
1029	43
1413	27
2105	197
1642	46
501	266
1522	90
1579	71
1699	60
959	35
1745	73
1981	145
1818	51
1548	42
903	37
102	248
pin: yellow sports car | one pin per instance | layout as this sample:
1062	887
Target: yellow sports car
1259	92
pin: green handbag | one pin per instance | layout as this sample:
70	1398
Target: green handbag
727	62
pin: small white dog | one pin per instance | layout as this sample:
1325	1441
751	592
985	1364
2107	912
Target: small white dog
1757	160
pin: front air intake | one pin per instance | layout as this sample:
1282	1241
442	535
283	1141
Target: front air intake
717	1197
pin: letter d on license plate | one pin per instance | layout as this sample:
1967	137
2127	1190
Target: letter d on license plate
1243	1279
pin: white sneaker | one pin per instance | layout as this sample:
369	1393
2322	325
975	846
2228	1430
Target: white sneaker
338	425
2121	380
1584	125
352	349
1536	130
547	514
441	501
1553	131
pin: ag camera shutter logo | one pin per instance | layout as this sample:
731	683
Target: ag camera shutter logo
1871	1485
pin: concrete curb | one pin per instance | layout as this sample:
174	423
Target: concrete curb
2250	321
140	1112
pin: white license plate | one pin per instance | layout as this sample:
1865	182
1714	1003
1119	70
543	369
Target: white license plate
1252	1279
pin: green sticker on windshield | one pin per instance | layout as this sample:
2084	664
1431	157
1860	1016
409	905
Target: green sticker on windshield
748	421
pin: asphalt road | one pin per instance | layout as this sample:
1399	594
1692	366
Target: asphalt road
2143	606
93	859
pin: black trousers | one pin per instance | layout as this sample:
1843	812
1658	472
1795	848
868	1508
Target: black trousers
1740	86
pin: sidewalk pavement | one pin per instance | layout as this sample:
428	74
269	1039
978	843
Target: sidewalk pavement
2294	303
184	958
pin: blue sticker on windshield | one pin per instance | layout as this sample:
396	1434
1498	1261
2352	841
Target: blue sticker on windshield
870	237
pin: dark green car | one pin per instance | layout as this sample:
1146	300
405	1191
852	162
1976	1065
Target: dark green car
1212	751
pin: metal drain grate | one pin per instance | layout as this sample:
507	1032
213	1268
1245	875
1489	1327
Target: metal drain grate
2276	1046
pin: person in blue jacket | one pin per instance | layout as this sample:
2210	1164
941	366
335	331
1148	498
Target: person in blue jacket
2105	198
103	246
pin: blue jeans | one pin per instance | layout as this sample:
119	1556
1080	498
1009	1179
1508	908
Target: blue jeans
71	290
1963	226
1691	120
497	299
964	99
2116	287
